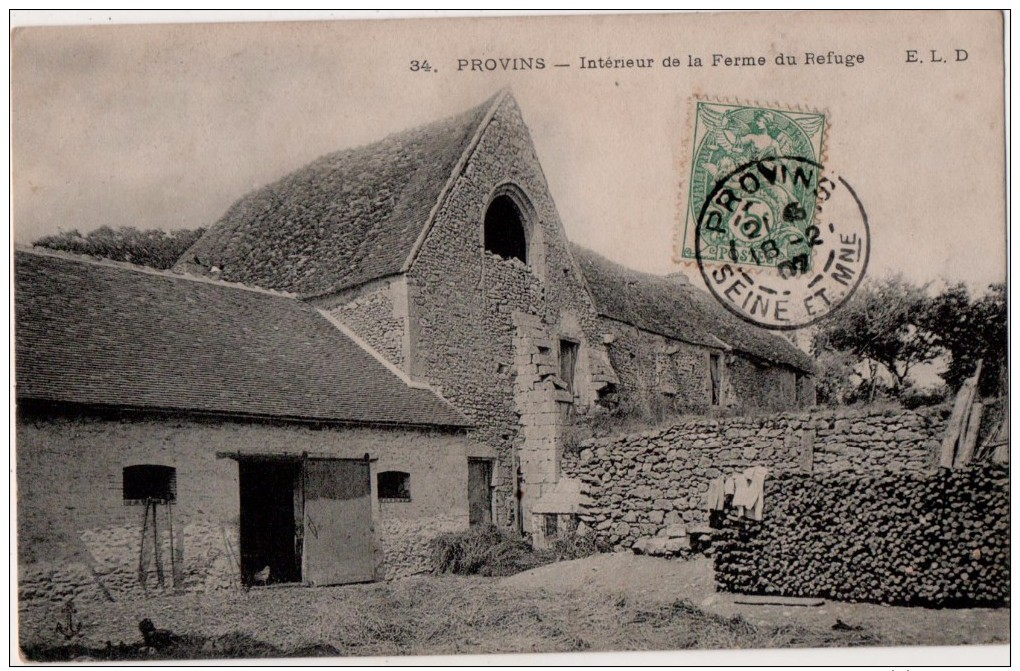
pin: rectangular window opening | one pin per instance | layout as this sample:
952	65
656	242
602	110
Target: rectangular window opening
568	362
715	372
394	486
552	526
149	482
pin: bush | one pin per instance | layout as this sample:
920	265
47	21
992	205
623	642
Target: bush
619	419
153	248
920	398
575	546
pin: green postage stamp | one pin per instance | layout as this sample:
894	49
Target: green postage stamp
728	136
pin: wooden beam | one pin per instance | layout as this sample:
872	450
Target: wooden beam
954	426
763	600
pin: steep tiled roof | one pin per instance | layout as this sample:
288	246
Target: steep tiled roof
347	218
109	335
680	311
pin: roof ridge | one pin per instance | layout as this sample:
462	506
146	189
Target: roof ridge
729	333
628	268
148	270
493	105
349	216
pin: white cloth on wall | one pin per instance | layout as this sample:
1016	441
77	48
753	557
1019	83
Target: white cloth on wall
749	492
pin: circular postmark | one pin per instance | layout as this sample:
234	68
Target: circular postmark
781	242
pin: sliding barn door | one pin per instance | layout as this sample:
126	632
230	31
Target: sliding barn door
339	544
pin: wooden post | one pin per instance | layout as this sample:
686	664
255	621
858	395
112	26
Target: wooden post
160	578
143	559
954	426
969	439
807	451
957	426
1001	453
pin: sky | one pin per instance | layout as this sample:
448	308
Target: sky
165	126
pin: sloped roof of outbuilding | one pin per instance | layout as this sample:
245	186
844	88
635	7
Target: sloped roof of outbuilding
347	218
112	335
683	312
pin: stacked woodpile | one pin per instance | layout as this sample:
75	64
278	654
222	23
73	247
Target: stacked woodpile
895	538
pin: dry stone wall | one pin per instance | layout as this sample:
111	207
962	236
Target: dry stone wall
638	485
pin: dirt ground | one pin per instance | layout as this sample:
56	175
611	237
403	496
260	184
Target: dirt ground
665	580
600	603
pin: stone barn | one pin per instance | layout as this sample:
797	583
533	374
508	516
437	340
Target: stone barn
176	432
377	302
443	249
677	351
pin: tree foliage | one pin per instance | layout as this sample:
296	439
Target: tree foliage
892	325
837	382
883	329
968	330
154	248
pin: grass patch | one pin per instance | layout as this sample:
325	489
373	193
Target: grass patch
462	615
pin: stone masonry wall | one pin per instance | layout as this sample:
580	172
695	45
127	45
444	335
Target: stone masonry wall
660	376
77	538
757	387
378	317
639	484
462	302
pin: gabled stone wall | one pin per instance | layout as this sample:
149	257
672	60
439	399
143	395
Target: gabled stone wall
378	315
485	330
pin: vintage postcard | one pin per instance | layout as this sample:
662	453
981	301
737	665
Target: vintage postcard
589	334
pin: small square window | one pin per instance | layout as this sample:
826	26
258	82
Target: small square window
149	482
394	485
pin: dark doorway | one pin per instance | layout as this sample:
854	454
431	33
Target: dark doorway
479	491
270	539
504	230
